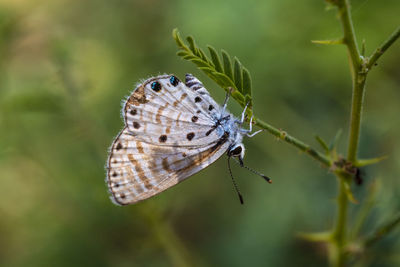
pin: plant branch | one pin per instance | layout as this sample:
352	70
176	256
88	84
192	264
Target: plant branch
382	48
355	117
349	39
294	141
339	241
349	36
340	231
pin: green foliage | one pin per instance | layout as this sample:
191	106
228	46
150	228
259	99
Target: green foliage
237	81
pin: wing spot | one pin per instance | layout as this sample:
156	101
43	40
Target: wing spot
156	86
114	174
116	185
122	195
133	112
136	125
195	118
174	81
199	111
197	99
162	138
210	107
190	136
118	147
184	155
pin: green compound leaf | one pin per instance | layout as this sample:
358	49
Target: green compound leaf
215	58
227	64
246	82
237	74
236	79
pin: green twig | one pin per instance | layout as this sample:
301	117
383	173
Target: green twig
294	141
359	67
339	239
338	255
349	36
382	48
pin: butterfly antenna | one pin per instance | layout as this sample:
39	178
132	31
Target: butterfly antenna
234	182
228	94
240	162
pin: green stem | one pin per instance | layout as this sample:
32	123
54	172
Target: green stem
349	36
338	255
355	117
294	141
340	231
382	48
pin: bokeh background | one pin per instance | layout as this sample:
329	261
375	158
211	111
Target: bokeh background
66	65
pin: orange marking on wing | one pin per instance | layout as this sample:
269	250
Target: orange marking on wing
139	147
159	112
165	164
138	97
183	96
140	172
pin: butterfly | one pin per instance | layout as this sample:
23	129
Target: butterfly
172	131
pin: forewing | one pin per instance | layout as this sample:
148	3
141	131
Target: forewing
137	170
170	113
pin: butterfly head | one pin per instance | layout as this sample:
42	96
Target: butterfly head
237	150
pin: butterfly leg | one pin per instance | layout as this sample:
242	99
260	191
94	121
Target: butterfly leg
244	113
228	94
251	128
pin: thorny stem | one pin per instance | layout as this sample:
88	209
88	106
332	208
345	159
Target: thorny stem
294	141
339	238
382	48
339	234
359	67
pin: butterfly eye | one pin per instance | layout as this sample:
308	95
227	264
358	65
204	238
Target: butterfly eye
174	81
156	86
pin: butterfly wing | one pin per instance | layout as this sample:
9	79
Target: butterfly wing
169	135
170	114
138	170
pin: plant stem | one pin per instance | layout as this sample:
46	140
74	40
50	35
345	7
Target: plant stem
349	38
382	48
340	231
355	117
294	141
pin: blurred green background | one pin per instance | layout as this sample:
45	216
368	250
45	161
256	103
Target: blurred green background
66	65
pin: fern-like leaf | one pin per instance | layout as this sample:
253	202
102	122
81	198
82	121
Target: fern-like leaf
237	74
227	64
237	79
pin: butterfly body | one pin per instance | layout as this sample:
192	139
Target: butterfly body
172	130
